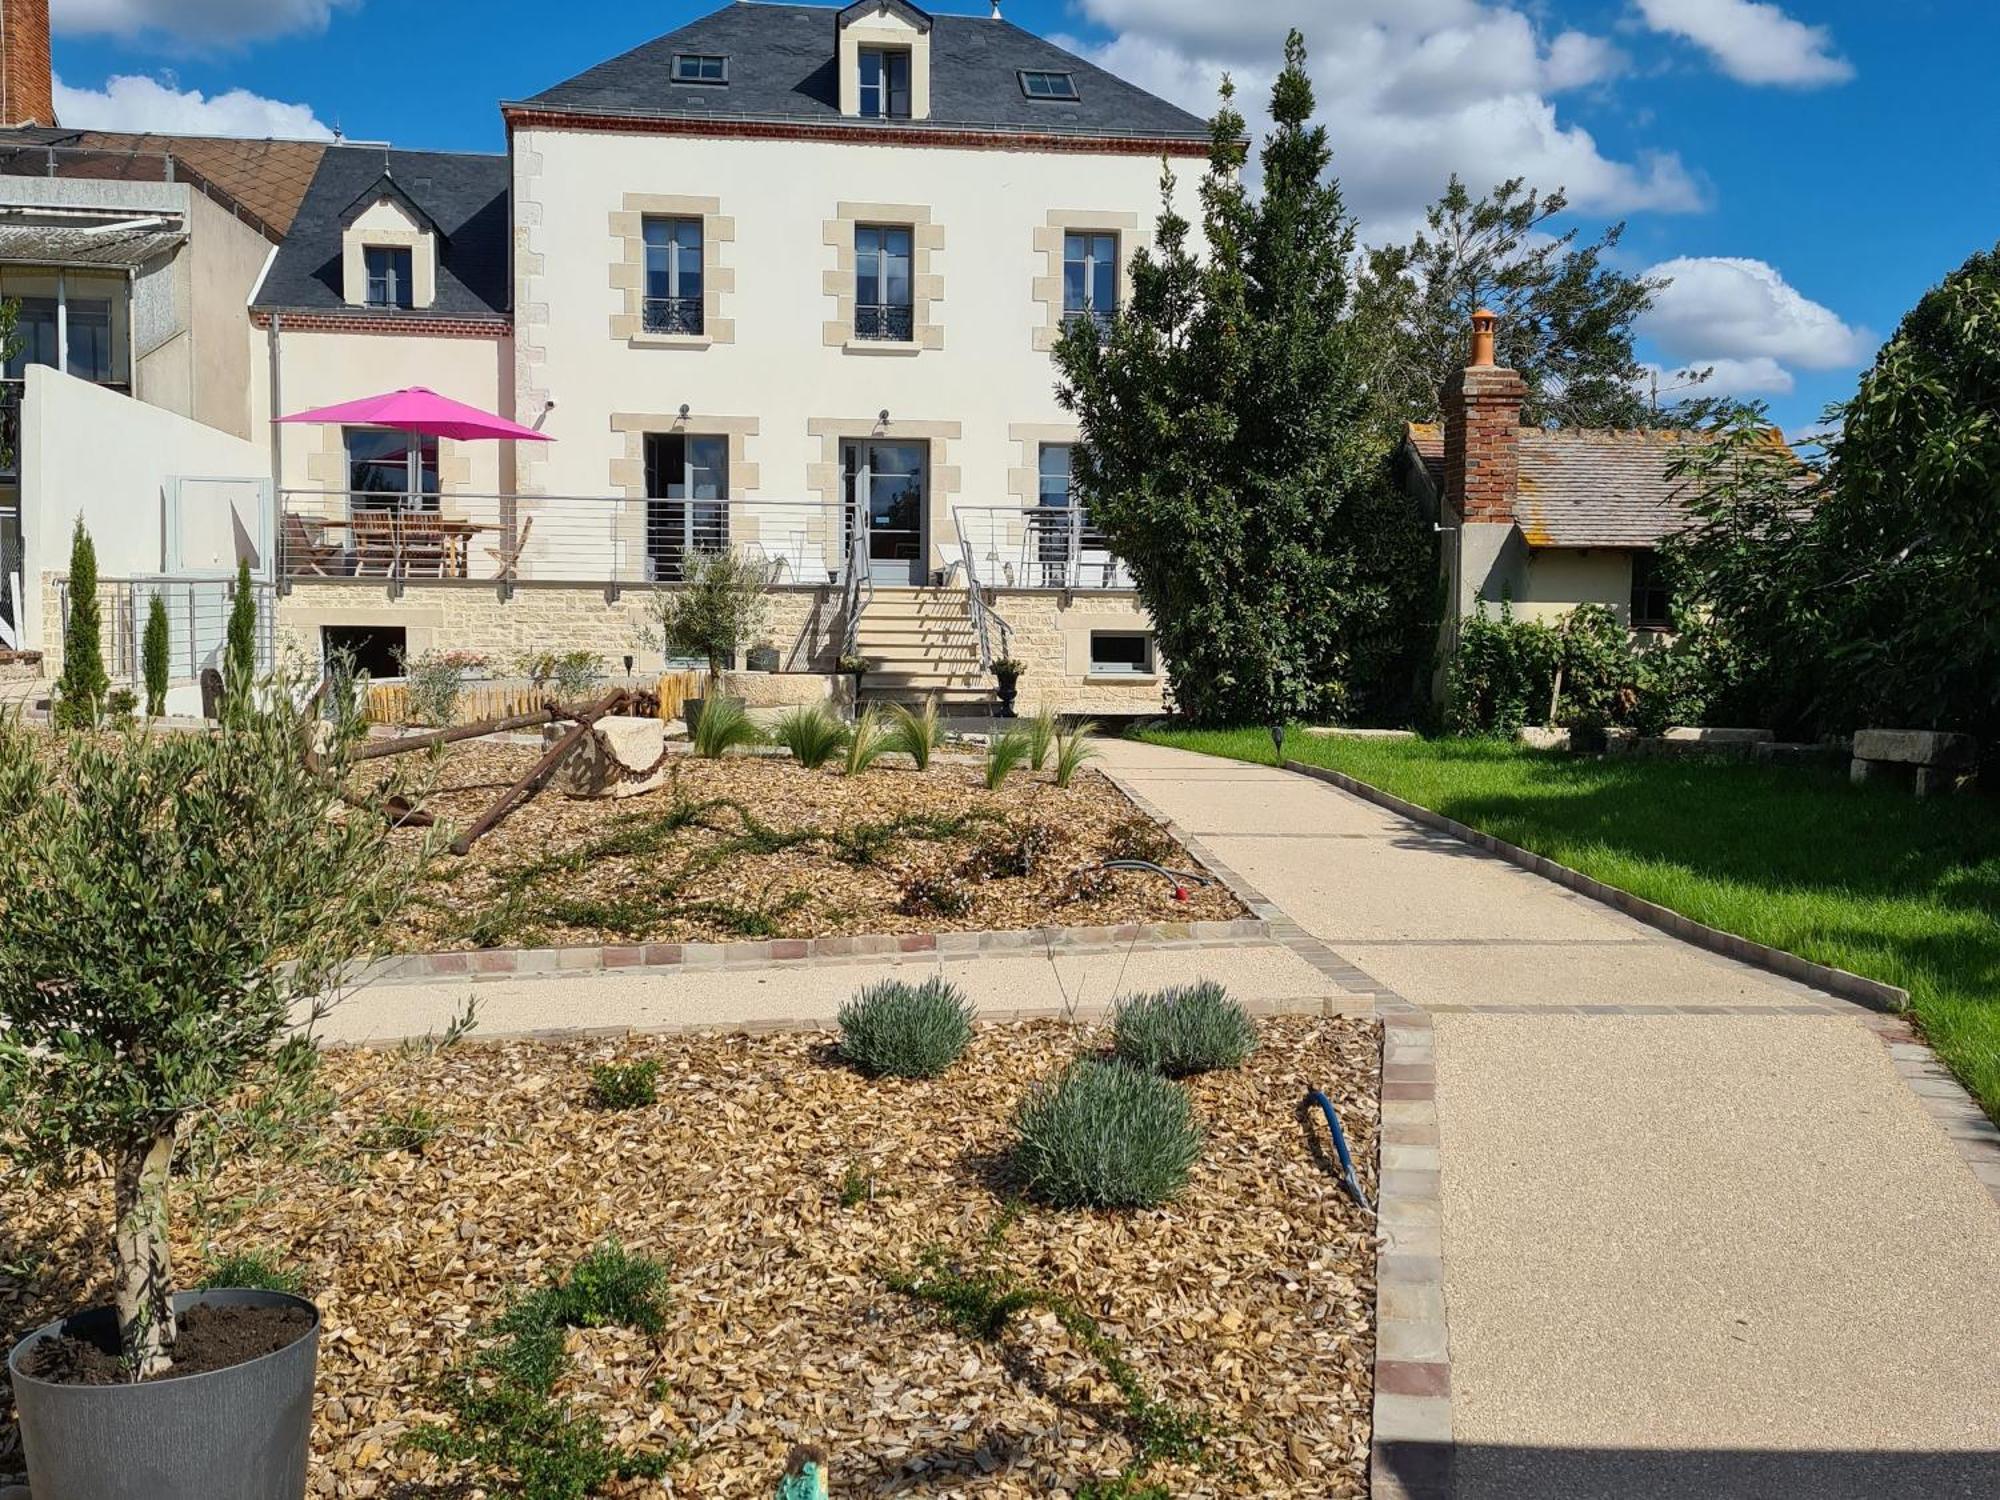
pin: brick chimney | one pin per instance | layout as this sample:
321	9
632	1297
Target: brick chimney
27	87
1482	418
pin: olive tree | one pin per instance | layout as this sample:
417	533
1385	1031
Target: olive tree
719	604
178	911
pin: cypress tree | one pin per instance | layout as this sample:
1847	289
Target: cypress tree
239	658
155	651
1229	449
81	689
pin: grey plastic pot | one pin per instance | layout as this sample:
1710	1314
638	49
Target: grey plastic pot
234	1434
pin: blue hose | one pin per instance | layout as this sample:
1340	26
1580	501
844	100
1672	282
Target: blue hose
1314	1096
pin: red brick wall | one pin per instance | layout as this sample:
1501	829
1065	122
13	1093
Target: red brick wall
27	92
1482	446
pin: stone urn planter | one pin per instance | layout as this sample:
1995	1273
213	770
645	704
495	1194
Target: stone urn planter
1007	684
237	1432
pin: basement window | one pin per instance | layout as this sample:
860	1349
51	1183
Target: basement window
1121	653
1039	84
700	67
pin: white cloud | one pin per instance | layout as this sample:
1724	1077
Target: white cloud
1730	308
203	22
1410	90
1752	41
1758	376
136	103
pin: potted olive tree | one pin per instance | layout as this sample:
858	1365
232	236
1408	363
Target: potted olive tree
719	604
179	909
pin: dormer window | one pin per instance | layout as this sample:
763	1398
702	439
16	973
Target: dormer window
885	83
700	67
882	49
391	275
1037	84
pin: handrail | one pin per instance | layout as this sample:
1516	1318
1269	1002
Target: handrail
858	588
984	618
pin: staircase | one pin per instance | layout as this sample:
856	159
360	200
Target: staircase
922	644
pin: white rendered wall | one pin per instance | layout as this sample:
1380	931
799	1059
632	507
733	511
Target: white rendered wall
778	368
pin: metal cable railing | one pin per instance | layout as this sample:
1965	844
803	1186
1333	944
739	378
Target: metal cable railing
1039	547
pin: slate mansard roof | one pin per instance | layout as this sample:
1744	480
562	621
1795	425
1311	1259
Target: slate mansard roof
464	197
782	69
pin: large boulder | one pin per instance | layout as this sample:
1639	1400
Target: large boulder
621	756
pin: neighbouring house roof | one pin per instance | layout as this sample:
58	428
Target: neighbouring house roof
1584	487
265	178
90	239
465	196
782	67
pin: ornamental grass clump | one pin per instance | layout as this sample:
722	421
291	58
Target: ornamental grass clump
812	734
916	733
1189	1028
724	725
906	1031
1104	1135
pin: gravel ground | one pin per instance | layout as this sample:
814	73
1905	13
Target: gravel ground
761	847
1250	1298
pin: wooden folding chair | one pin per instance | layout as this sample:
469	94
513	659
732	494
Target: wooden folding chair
307	549
508	559
374	533
425	549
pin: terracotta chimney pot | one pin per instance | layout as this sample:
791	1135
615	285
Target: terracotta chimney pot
1483	324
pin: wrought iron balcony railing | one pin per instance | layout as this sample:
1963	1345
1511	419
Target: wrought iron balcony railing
885	320
673	315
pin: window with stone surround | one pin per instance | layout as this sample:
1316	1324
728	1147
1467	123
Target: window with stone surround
667	266
885	83
673	275
1121	653
884	303
885	297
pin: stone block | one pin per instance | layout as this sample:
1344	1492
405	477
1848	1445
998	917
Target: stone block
1536	738
1695	735
1916	747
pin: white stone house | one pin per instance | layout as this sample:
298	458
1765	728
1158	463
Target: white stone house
785	280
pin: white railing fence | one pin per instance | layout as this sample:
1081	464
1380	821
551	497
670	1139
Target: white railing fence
197	623
11	604
1037	547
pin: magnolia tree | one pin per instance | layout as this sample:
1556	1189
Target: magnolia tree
179	910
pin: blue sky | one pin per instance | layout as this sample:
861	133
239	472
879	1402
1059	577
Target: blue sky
1804	169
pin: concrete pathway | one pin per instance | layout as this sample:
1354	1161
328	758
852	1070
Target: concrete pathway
1709	1243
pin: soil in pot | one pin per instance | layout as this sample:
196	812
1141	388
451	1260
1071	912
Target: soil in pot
211	1338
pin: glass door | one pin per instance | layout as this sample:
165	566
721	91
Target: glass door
888	480
687	507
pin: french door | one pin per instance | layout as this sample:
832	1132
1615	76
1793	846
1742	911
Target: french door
687	501
889	481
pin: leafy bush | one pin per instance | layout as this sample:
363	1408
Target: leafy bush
1003	754
1073	749
631	1085
866	742
1103	1135
1599	672
121	708
813	734
1139	837
916	734
252	1270
432	684
1041	732
724	725
1012	852
570	674
1503	673
904	1030
932	893
1185	1029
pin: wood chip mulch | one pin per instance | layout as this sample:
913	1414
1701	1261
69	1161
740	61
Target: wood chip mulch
1250	1298
514	889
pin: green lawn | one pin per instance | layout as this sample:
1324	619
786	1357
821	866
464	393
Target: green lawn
1864	878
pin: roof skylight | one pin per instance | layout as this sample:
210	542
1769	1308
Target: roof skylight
1041	84
700	67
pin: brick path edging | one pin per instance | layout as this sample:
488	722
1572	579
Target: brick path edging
535	963
1872	993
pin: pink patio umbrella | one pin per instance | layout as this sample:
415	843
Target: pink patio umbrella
421	413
